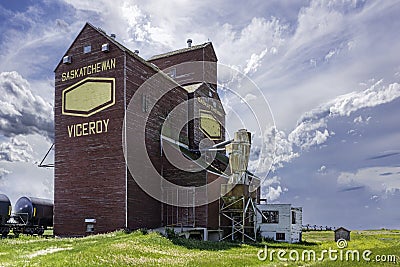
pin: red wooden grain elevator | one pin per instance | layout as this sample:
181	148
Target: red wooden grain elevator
94	191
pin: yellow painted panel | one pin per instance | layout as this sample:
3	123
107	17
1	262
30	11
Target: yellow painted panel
34	212
9	210
210	125
88	96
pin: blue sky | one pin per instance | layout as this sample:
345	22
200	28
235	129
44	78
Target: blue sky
330	71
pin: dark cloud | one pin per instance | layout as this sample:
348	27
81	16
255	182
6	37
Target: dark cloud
21	111
354	188
385	155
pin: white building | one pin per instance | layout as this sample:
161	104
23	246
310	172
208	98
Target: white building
280	222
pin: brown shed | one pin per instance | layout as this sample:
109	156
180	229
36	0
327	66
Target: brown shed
342	233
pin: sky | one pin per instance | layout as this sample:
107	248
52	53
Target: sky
329	70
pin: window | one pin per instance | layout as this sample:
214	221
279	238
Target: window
67	60
105	47
145	103
280	236
172	73
89	228
293	217
90	222
87	49
270	216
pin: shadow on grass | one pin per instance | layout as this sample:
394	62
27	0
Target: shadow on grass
203	245
281	245
224	245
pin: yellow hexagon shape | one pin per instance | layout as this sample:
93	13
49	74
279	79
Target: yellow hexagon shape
88	96
209	125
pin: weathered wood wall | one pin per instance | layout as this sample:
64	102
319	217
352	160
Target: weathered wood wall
89	170
92	179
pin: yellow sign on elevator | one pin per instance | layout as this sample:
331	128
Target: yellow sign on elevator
88	96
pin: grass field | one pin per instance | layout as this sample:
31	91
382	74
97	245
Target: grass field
138	249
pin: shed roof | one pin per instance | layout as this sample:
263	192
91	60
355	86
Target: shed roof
342	228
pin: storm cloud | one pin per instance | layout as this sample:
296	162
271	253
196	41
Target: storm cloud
23	112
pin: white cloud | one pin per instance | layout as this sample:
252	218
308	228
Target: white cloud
321	32
62	24
308	130
312	128
32	52
291	59
142	23
273	193
375	95
377	179
277	150
249	97
3	172
23	112
271	189
306	133
322	169
18	149
25	179
330	54
271	181
19	156
320	137
254	62
317	20
248	47
358	119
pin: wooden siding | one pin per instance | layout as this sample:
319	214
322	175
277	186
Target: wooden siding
297	228
92	179
292	231
89	170
190	73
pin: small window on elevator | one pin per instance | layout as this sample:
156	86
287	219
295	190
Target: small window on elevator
172	73
145	103
87	49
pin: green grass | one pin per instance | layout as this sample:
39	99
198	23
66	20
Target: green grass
137	249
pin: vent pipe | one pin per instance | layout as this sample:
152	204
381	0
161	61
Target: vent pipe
189	42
